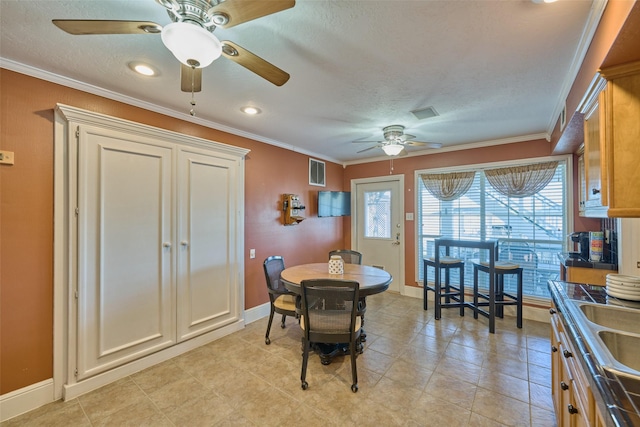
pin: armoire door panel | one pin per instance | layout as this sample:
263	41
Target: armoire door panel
125	303
206	222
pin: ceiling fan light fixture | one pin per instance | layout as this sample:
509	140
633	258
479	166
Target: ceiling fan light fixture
190	42
392	149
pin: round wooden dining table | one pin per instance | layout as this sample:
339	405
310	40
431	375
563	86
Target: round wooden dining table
372	280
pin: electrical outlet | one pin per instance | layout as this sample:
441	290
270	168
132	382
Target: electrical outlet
252	253
6	157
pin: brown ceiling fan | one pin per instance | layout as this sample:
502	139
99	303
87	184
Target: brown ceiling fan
395	141
190	34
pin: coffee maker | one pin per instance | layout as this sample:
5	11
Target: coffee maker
580	240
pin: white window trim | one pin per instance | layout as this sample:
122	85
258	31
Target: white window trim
567	158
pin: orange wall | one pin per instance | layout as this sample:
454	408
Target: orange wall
26	215
26	197
618	15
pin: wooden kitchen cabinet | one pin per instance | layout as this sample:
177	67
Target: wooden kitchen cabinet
582	181
572	396
594	160
611	111
622	136
590	276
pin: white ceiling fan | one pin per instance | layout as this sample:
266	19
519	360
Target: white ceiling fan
190	34
395	141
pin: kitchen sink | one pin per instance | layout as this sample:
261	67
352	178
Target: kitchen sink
619	318
624	348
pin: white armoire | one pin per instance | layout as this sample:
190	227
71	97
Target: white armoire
153	253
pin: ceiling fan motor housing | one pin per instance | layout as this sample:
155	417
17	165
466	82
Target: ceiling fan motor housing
393	132
196	12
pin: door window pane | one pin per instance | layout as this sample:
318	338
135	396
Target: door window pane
377	214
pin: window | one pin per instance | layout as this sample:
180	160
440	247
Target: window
530	230
377	219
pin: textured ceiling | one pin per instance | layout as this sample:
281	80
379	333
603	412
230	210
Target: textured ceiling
495	71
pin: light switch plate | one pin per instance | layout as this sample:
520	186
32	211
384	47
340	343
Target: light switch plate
252	253
408	216
6	157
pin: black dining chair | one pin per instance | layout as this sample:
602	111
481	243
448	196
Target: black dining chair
329	316
280	299
348	256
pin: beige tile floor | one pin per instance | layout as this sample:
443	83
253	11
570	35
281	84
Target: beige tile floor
415	371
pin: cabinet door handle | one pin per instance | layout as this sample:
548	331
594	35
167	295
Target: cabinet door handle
554	348
567	354
185	243
572	409
564	385
552	311
594	191
167	244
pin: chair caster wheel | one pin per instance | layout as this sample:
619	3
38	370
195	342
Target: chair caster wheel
305	385
267	341
282	325
354	388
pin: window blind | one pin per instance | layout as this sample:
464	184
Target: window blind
530	230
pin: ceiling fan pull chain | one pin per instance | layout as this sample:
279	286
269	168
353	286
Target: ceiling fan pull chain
193	98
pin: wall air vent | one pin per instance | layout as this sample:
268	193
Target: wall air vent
316	173
425	113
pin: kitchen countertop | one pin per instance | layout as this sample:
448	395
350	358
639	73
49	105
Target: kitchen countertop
575	261
614	401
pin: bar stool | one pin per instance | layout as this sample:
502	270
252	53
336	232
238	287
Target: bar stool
451	292
497	297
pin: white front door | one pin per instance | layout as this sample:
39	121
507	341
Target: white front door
378	226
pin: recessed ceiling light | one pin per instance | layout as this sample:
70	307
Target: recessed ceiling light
543	1
144	69
252	111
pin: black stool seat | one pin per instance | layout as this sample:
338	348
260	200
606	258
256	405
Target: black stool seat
453	295
497	298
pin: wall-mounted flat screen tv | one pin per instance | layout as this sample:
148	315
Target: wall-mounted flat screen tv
334	203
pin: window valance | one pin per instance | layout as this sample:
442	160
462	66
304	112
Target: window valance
521	181
448	186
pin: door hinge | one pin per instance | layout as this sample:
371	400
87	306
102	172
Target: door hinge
76	294
77	211
75	372
78	132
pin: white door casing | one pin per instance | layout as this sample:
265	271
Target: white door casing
144	219
377	224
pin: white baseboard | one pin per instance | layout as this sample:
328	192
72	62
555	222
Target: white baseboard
26	399
73	390
36	395
257	313
534	312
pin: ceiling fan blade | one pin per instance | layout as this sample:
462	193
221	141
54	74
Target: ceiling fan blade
424	144
240	11
190	78
407	137
367	142
254	63
95	26
367	149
